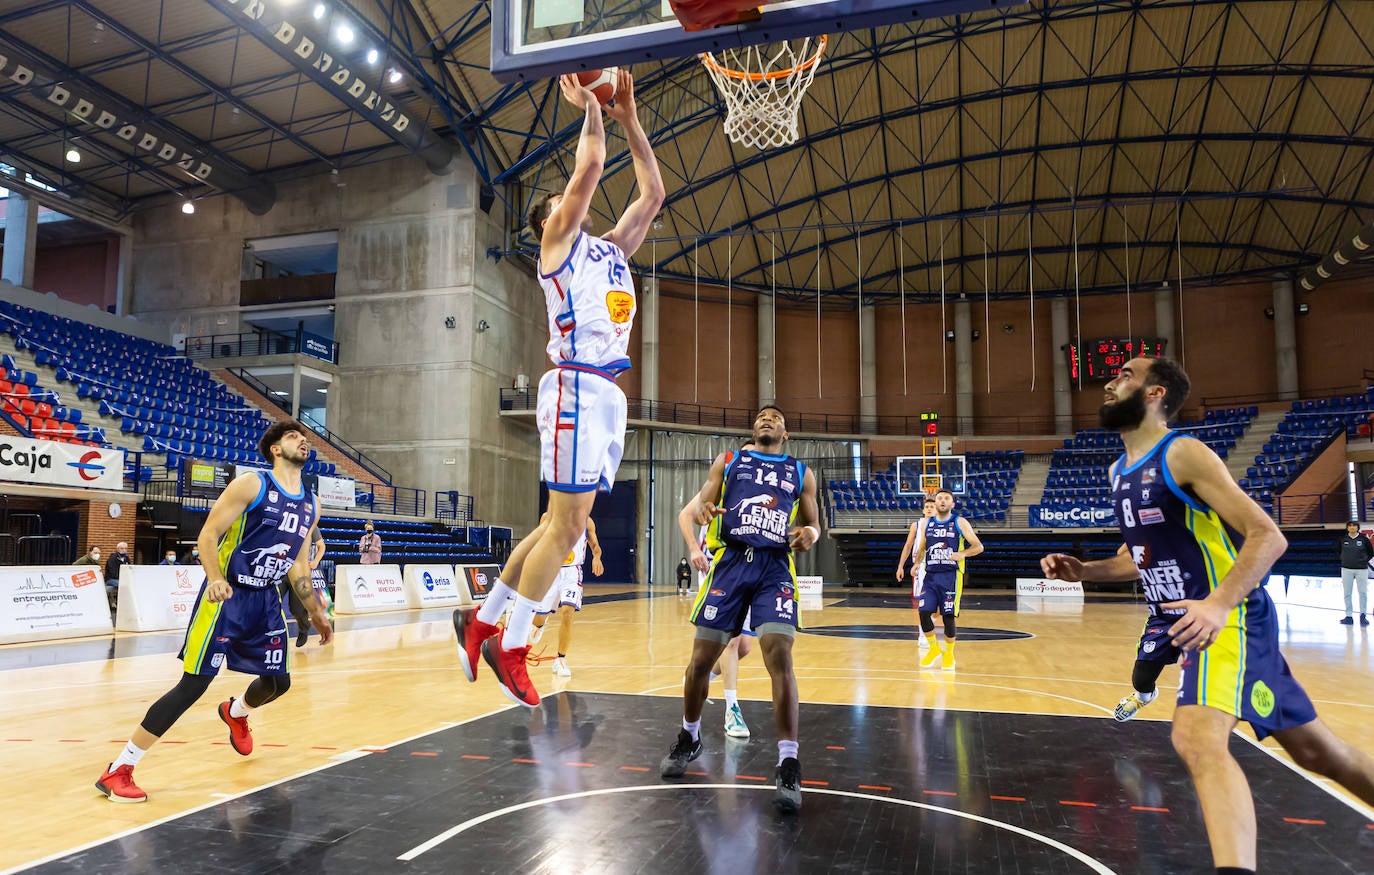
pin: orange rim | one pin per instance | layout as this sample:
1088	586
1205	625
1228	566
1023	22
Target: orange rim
712	64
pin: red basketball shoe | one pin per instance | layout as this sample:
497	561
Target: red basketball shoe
240	736
118	785
509	666
471	633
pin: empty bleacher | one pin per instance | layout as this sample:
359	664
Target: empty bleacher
403	542
989	480
1306	429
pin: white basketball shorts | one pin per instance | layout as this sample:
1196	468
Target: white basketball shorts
581	428
566	590
918	579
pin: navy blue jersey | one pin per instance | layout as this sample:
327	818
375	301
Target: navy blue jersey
267	537
760	495
943	540
1180	545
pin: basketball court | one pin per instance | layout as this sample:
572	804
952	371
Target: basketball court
384	758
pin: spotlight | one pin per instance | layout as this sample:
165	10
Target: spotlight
1008	328
344	33
318	11
188	208
949	335
372	56
1268	312
450	322
73	156
393	76
1302	309
977	334
482	325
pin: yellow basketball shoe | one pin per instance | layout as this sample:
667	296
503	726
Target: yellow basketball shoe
931	656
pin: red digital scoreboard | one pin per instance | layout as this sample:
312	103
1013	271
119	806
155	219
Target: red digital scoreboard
930	423
1101	359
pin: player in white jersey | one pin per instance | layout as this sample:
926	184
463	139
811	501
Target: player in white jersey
591	305
918	564
565	596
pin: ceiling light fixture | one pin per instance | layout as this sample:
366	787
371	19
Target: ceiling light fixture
278	392
73	156
318	11
372	56
393	75
344	33
188	208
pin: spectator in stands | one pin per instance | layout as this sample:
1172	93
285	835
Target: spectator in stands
684	576
118	559
192	558
370	546
170	558
91	557
1356	552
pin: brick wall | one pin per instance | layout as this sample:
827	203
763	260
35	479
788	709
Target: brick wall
97	527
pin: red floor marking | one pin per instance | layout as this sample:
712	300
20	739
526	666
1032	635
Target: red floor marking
1304	820
531	762
1369	826
833	747
874	787
72	740
364	749
174	742
19	739
424	753
750	778
939	793
1009	798
265	744
1148	808
474	756
816	783
118	740
634	768
581	765
1078	804
702	774
322	747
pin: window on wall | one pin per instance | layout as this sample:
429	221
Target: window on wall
290	269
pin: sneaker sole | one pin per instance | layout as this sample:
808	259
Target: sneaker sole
786	804
223	715
469	669
946	668
113	797
673	772
737	733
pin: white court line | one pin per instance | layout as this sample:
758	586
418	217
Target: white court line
227	798
444	836
1362	810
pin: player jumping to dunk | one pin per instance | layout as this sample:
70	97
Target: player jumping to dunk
1203	548
590	297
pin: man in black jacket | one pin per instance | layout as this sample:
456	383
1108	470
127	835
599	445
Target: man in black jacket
118	559
1356	551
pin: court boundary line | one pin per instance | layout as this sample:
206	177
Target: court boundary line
424	847
231	797
1357	807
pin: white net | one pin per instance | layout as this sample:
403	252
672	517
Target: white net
763	88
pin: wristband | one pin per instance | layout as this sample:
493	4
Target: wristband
815	532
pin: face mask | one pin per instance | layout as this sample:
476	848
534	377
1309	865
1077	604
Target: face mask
195	552
171	558
95	555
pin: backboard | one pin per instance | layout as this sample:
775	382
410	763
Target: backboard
924	475
539	39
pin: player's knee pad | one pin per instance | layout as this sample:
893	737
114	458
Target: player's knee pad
927	622
1145	674
950	628
175	702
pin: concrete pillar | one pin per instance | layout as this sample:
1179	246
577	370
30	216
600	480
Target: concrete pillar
963	367
1285	338
648	339
768	360
124	275
296	392
1060	338
1164	319
21	240
868	368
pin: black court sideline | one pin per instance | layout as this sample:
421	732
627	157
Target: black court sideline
573	786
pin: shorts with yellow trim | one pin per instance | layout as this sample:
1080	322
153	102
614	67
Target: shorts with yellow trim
247	632
1244	674
941	592
753	584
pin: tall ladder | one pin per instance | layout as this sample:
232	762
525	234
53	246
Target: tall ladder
930	465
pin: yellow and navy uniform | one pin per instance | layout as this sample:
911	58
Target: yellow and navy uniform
1183	550
752	574
249	629
943	586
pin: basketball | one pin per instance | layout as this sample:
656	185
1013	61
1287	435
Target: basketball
600	82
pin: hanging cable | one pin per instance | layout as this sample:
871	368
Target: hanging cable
1077	301
696	314
820	392
987	310
729	318
1126	237
1178	246
859	311
773	316
944	356
1030	267
901	285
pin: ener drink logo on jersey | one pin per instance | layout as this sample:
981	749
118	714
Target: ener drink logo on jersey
759	511
943	540
265	540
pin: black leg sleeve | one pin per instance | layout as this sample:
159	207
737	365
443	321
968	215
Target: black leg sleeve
175	702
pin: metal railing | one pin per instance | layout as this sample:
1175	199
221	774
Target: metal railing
1315	509
53	549
742	419
395	500
258	343
454	507
330	437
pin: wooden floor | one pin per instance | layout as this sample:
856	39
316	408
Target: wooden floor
392	677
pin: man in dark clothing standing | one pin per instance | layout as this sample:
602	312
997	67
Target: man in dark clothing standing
118	559
1356	551
684	576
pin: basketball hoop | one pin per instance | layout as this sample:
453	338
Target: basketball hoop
763	88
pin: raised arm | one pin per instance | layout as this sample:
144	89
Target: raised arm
230	505
565	221
635	222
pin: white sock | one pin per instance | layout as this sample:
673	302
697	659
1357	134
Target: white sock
238	708
730	700
694	727
1147	698
129	756
786	749
519	624
495	604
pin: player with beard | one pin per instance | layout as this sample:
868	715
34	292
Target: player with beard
943	542
761	507
1203	548
255	534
